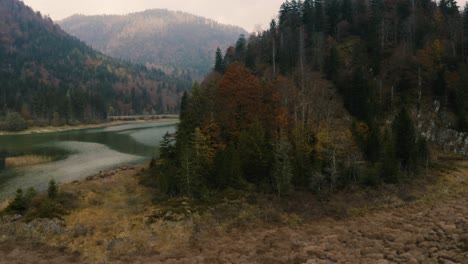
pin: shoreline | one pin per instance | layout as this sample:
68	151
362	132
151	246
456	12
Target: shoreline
55	129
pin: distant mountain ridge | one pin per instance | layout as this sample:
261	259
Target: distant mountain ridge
49	75
167	40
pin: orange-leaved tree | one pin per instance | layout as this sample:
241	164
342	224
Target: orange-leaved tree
241	101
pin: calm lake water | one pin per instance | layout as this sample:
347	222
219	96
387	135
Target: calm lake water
79	153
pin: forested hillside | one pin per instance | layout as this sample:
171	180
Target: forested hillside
51	77
174	42
325	99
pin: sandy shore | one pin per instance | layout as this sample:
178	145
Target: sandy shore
52	129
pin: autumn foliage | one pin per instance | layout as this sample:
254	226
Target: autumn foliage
242	100
324	99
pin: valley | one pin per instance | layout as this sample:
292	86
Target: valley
338	133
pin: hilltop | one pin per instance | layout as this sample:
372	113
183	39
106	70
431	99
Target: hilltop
168	40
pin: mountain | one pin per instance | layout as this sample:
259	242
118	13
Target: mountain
48	75
168	40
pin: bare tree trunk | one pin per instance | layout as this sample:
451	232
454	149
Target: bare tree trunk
391	98
301	59
413	30
187	175
380	90
382	44
274	58
333	173
420	84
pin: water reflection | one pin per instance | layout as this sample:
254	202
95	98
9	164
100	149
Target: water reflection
78	153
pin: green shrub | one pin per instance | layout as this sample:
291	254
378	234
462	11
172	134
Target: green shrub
18	205
73	122
48	209
41	122
52	190
15	122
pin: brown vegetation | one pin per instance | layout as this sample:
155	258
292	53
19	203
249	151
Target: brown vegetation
115	221
26	160
53	129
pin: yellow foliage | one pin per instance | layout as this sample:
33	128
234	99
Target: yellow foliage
431	57
335	140
362	129
212	132
26	160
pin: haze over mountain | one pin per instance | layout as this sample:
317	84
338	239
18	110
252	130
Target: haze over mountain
46	74
168	40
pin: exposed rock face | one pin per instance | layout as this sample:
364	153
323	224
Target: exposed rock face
436	125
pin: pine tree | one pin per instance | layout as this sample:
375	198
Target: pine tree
333	16
2	160
347	10
359	97
332	64
18	205
319	16
186	175
465	32
448	7
388	161
166	148
227	169
52	190
404	138
282	169
219	64
241	48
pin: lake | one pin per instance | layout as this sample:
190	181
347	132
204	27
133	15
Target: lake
79	153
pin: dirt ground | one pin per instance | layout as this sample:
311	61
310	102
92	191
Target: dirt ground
432	229
19	252
418	234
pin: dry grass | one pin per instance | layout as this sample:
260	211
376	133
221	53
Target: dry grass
4	204
111	221
26	160
115	221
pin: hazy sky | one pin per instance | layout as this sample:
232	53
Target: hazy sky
244	13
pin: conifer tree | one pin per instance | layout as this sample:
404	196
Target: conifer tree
166	148
219	64
332	64
52	190
228	169
404	137
18	205
388	161
282	169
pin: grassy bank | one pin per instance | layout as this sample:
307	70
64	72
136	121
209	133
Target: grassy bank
52	129
115	219
26	160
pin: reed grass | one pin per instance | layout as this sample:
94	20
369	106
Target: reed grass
26	160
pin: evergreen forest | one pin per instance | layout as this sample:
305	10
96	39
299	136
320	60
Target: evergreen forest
48	77
326	98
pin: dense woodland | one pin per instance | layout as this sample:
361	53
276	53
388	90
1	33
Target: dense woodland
175	42
322	100
50	77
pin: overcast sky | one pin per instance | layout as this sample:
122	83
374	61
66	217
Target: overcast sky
244	13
